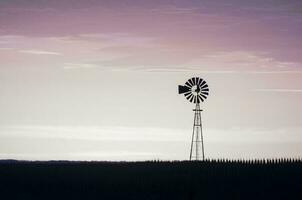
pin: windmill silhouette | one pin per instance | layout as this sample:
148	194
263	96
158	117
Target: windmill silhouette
196	91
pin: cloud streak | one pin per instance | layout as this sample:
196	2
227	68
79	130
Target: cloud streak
40	52
68	66
280	90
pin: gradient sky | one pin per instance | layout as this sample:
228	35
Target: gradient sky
97	80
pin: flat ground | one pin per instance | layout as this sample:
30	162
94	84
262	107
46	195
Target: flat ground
274	179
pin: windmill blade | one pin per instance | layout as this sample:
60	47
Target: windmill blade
194	80
205	90
187	93
198	101
189	96
199	81
202	83
200	98
188	84
204	93
191	81
205	86
203	96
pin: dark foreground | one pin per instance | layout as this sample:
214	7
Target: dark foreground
279	179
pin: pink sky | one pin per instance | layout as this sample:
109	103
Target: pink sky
115	66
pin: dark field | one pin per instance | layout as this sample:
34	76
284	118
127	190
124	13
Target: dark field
274	179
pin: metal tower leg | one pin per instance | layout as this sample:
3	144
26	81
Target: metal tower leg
197	147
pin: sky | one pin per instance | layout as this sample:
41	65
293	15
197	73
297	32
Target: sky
97	80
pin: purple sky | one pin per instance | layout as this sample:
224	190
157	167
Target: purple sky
78	78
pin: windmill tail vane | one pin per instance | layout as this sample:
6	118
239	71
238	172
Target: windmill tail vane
196	91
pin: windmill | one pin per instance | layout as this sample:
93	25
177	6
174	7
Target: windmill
196	91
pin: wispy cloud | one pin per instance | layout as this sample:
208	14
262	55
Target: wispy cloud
195	69
79	66
162	69
94	133
174	10
40	52
279	90
118	39
4	48
276	72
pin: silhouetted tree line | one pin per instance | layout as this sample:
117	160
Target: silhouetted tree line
210	179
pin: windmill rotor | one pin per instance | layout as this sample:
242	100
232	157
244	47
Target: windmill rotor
195	90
